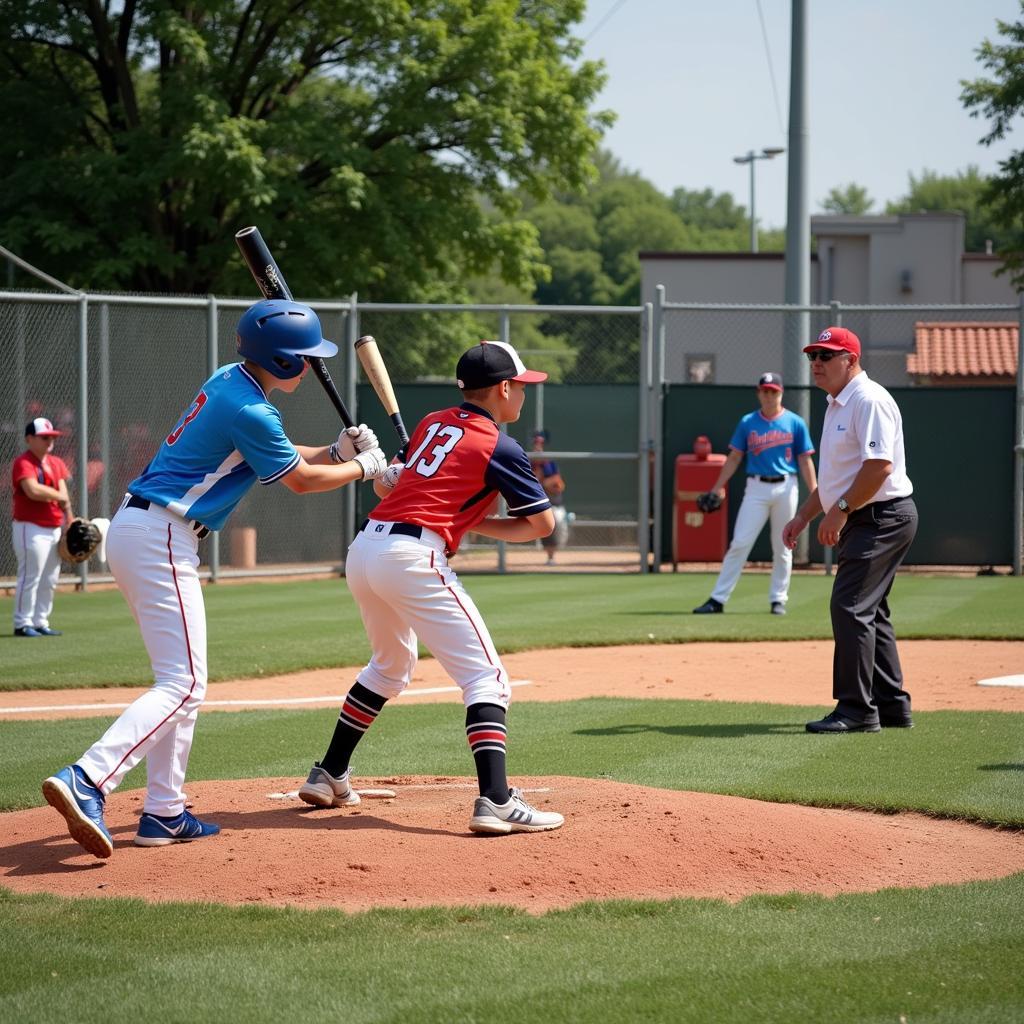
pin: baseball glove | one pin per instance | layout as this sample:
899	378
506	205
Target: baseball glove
709	502
79	540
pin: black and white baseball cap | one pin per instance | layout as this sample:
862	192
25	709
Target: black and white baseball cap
770	380
490	363
41	427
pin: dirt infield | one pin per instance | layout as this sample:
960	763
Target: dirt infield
619	841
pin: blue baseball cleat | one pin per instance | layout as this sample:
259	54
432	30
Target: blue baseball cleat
81	803
155	830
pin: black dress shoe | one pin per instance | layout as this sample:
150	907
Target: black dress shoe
709	607
836	722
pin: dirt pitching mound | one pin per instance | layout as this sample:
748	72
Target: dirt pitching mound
619	842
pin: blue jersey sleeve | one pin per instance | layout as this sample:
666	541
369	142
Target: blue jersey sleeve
802	444
739	436
509	472
259	435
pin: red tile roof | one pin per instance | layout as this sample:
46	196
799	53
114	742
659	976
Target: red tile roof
959	349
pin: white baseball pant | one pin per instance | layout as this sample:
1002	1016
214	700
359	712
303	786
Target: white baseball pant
154	557
761	502
405	589
35	548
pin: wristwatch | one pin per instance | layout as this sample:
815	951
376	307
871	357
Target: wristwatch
843	505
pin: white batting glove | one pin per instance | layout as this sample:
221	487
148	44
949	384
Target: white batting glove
389	478
353	440
373	463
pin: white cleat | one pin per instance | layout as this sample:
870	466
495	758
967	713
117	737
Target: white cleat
323	790
515	816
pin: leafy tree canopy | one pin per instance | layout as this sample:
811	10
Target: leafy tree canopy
999	99
381	145
850	199
966	192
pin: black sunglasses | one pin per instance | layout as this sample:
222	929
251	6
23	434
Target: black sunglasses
825	355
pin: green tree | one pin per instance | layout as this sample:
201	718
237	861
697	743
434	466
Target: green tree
966	192
381	145
703	210
850	199
1000	99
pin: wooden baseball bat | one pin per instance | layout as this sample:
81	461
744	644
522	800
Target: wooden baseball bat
377	374
272	285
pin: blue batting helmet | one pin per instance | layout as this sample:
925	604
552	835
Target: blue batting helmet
278	334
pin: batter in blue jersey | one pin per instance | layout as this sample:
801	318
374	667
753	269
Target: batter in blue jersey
227	438
775	443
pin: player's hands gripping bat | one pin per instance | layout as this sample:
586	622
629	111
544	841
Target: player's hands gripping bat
272	285
377	374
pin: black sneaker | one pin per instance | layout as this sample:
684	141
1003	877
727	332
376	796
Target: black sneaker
778	608
710	607
836	722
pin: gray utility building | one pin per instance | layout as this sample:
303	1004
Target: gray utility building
906	259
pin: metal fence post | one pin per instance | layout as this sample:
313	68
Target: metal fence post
643	526
348	494
1018	462
658	420
83	423
104	404
836	314
211	366
504	334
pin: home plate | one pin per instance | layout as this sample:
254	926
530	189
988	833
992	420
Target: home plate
1002	681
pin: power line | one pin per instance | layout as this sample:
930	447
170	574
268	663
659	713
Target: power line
614	8
771	70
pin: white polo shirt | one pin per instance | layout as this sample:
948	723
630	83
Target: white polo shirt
862	422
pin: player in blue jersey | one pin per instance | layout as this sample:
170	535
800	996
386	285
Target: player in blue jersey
774	442
229	437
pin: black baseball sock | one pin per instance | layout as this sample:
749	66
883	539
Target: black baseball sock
358	713
485	730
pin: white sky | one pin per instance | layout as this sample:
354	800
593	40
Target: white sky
690	82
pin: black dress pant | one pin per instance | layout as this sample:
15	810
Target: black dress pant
867	680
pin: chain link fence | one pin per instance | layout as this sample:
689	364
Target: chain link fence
114	373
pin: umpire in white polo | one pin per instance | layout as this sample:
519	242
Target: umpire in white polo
871	518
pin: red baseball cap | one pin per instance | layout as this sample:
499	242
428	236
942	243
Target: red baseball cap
42	427
836	339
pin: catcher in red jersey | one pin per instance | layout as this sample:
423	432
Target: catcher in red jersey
455	467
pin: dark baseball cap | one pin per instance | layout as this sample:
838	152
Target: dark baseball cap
836	339
770	380
490	363
42	427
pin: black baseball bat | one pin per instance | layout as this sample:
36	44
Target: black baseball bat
272	285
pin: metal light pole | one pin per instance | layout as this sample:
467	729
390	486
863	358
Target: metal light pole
766	154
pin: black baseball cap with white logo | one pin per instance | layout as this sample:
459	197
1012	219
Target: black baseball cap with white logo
770	380
490	363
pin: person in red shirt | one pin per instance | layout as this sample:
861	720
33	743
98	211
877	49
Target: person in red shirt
455	467
41	507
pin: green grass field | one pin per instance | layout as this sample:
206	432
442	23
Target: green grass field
943	954
254	629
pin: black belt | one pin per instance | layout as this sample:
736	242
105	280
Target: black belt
405	529
770	479
134	501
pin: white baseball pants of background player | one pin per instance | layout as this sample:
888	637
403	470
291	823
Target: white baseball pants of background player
405	589
761	502
35	548
154	556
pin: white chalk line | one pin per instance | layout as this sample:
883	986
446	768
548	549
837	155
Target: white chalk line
1002	681
255	702
293	794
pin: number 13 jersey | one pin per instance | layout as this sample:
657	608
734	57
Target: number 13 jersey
458	462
